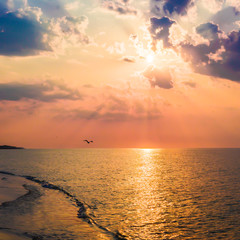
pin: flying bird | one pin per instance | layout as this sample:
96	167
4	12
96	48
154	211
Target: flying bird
87	141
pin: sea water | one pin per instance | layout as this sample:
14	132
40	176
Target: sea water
126	193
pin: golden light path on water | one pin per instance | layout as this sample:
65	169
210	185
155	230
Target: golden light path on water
146	187
149	208
161	200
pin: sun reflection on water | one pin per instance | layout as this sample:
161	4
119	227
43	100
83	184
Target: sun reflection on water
146	185
147	150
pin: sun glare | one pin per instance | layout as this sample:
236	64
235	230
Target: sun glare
147	150
150	58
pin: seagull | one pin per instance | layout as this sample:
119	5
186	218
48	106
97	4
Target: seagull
88	141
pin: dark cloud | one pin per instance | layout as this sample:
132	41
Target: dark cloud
177	6
219	58
3	7
157	77
26	31
120	7
159	29
21	34
209	31
169	7
129	59
46	92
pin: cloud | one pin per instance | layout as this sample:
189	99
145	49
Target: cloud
121	7
190	84
108	115
204	60
68	30
208	31
27	31
47	91
3	7
227	18
159	30
177	6
170	7
22	34
109	103
213	49
116	48
51	9
129	59
134	111
158	77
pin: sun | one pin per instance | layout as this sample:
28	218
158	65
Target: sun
150	58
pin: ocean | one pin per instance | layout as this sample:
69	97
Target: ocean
124	193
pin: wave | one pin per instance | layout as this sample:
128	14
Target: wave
82	209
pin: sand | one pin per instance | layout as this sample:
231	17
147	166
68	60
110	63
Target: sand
4	235
11	188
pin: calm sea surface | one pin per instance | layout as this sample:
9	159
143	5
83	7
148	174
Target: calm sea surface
135	193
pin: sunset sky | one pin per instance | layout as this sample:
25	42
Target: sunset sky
140	73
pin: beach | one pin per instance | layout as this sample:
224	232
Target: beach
4	235
38	211
11	188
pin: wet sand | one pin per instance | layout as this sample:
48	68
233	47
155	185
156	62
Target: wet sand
4	235
11	188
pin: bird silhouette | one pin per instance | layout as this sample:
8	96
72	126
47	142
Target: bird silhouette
87	141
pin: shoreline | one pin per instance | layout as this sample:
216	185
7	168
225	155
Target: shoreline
11	188
7	235
16	191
